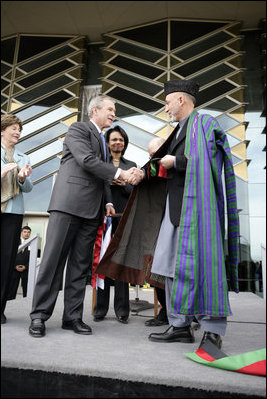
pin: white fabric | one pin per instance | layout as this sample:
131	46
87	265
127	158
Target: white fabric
165	255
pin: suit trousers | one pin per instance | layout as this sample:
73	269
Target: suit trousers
69	238
121	298
10	236
216	325
16	277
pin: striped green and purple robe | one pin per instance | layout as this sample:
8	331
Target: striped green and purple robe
200	284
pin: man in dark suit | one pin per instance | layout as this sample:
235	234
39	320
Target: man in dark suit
80	195
21	268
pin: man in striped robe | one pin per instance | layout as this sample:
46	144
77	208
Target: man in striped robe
189	249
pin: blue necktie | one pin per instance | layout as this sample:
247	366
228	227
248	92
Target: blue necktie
104	145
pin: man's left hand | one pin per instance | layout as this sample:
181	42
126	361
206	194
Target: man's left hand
110	210
118	182
167	161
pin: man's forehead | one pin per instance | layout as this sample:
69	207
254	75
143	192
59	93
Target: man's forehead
108	103
172	95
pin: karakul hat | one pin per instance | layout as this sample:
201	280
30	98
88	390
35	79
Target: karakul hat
186	86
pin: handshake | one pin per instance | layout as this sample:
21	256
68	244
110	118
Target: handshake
132	176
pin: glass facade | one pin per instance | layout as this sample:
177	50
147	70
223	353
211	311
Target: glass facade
41	77
212	54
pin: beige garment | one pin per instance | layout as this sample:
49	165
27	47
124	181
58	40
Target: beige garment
9	184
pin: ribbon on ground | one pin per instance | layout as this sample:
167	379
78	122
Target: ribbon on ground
253	362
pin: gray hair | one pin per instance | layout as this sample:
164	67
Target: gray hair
190	97
97	101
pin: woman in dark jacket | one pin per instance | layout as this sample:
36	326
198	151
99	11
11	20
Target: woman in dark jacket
117	142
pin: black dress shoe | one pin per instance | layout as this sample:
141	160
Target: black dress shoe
156	322
99	318
78	326
160	320
123	319
214	338
174	334
37	328
3	318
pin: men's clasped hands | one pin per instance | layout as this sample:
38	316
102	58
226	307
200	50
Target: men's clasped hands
132	175
135	175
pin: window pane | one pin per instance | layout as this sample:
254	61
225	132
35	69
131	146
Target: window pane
135	83
136	67
220	106
136	136
45	59
235	159
154	35
122	111
134	99
203	45
203	62
44	120
29	112
45	73
145	122
46	152
232	140
7	49
32	45
213	74
137	51
45	169
226	122
38	139
215	90
4	68
38	199
43	89
183	32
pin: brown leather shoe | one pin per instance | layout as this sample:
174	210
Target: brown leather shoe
174	334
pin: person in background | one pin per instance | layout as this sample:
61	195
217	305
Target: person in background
80	197
21	269
117	142
15	180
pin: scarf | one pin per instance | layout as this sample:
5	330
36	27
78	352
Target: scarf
9	184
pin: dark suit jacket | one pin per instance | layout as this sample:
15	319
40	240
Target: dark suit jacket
176	176
23	257
120	194
82	183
